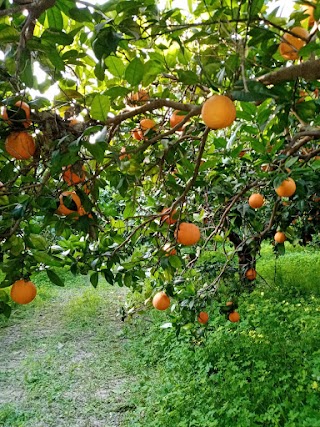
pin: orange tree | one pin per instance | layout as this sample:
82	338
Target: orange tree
107	162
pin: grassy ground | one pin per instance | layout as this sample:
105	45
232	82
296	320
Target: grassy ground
61	359
68	360
264	371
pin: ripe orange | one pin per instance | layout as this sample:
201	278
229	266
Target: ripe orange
169	219
23	291
218	112
279	237
234	317
161	301
177	117
20	145
203	317
187	234
146	124
251	274
289	48
20	111
137	134
256	201
74	174
309	10
287	188
74	203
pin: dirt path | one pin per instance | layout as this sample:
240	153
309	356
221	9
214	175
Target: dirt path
61	364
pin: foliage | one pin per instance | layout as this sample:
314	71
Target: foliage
98	57
256	373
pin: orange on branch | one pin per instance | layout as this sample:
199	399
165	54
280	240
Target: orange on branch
74	174
19	113
146	124
256	201
187	234
218	112
289	48
251	274
203	317
169	219
287	188
20	145
279	237
176	118
137	134
69	203
161	301
309	10
23	291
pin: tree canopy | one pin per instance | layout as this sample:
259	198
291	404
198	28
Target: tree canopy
102	178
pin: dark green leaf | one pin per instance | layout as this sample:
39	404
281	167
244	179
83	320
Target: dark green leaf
94	279
134	72
55	19
54	278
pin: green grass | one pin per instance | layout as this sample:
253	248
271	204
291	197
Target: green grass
62	358
263	371
297	271
68	361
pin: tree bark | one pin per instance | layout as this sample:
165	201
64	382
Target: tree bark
309	70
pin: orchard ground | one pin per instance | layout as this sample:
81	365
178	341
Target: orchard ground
69	360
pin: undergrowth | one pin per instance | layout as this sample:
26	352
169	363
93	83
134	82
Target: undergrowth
263	371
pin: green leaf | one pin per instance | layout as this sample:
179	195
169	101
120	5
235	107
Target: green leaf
108	276
5	309
97	149
129	210
117	91
291	161
105	43
100	107
134	72
54	278
80	15
45	258
8	34
35	241
56	37
188	77
17	245
55	19
256	6
99	70
94	279
175	261
115	66
55	59
26	74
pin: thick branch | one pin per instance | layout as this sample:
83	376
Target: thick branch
309	70
152	105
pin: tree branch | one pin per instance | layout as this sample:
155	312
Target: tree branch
309	70
152	105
